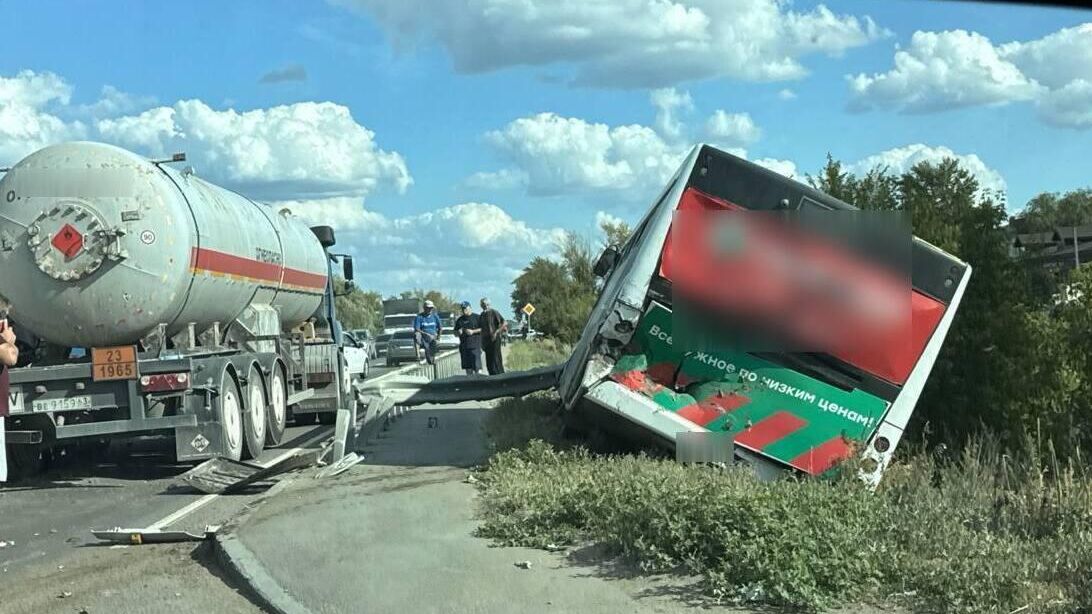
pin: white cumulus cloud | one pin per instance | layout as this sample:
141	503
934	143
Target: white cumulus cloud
945	70
469	250
550	155
668	101
732	129
1056	59
28	120
626	43
782	167
941	70
902	159
556	155
306	149
1069	106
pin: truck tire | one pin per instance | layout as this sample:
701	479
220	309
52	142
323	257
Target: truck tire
229	412
254	417
278	405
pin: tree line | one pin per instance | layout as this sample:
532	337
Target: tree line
1015	364
363	309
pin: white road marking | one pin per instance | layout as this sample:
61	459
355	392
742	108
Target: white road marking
205	500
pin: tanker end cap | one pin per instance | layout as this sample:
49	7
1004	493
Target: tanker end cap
325	235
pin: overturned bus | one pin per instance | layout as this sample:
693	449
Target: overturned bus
751	313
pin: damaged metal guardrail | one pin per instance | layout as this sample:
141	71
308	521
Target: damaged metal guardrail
411	390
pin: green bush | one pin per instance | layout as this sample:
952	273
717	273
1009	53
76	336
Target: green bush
524	355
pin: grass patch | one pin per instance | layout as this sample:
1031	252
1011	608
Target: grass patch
983	532
514	423
524	355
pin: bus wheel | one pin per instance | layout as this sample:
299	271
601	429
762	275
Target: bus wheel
254	417
229	411
278	405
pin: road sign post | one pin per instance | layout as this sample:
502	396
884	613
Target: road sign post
528	309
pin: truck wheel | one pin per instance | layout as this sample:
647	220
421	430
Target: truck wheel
229	411
256	408
278	405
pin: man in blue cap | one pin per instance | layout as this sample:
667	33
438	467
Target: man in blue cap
469	329
427	328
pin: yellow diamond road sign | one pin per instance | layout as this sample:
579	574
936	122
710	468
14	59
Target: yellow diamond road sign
528	309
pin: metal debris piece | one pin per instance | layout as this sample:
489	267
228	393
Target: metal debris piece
5	544
64	595
350	459
554	548
470	479
220	475
524	564
152	536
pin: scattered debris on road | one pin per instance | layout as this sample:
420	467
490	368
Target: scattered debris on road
152	536
554	548
5	544
524	564
64	595
470	479
341	466
220	475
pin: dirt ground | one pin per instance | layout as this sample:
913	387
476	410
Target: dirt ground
177	578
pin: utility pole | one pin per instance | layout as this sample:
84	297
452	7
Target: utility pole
1076	252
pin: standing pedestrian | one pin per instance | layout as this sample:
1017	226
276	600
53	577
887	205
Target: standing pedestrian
9	355
468	327
427	327
493	327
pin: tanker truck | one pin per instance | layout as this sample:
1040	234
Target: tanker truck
199	313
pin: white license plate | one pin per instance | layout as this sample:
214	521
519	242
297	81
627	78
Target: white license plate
65	404
15	400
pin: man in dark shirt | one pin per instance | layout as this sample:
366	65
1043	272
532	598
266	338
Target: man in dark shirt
493	326
468	327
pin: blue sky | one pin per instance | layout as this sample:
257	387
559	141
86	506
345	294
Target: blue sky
438	91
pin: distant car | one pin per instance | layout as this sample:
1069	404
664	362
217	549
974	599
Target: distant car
381	344
447	341
401	347
365	336
356	356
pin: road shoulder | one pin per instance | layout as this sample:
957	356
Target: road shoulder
397	534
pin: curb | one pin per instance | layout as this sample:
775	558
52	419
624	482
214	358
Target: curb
249	573
245	569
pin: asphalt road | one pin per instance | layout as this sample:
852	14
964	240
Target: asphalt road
45	518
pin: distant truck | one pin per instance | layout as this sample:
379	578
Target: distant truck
646	357
203	315
399	313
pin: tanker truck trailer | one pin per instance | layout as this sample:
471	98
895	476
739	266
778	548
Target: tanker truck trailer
200	313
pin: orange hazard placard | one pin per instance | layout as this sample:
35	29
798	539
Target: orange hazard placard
114	363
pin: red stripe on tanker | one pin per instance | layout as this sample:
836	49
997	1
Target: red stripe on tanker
212	261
